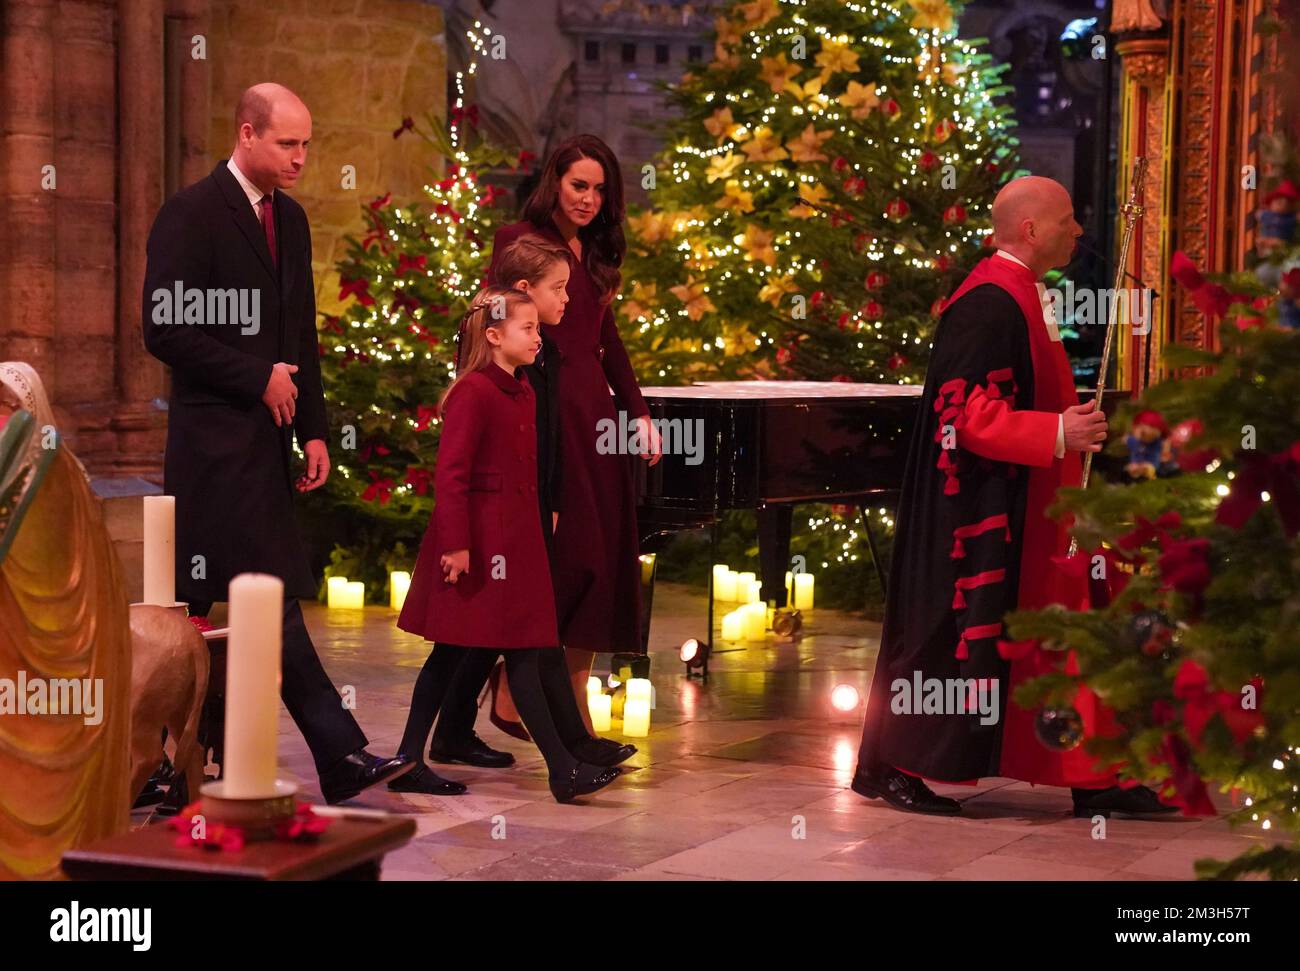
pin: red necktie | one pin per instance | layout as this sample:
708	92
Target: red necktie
268	224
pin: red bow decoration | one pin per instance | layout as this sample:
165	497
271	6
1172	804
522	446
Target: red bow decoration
1200	704
1274	474
419	479
407	263
424	417
358	288
462	114
525	157
405	301
371	449
381	201
408	124
381	489
1211	299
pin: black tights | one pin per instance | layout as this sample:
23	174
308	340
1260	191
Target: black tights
539	685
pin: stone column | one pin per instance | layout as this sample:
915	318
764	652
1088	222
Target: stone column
27	262
137	421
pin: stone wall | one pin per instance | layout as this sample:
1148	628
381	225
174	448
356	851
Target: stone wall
84	88
361	66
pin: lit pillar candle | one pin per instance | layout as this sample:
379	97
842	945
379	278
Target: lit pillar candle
594	686
755	621
743	580
252	685
720	571
600	706
755	592
789	599
636	718
647	566
726	588
399	582
336	591
160	550
354	594
803	591
641	689
731	626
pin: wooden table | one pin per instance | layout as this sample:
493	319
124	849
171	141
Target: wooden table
351	849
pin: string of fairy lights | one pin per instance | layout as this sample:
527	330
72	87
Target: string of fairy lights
382	328
966	101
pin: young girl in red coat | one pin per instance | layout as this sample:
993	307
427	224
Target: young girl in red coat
482	580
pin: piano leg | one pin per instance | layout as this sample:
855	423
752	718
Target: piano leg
871	545
774	524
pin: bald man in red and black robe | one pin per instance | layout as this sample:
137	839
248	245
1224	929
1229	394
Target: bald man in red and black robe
1000	430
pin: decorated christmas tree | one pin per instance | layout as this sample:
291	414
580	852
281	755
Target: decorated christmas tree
389	356
1198	649
827	179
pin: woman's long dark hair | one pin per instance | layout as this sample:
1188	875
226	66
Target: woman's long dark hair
603	244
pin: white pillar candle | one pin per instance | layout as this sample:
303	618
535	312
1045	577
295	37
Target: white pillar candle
160	550
399	582
642	689
336	591
354	595
788	581
647	566
720	571
253	685
636	718
594	687
803	591
600	706
755	592
755	621
727	587
743	580
732	626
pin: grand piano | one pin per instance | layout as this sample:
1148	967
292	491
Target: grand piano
769	446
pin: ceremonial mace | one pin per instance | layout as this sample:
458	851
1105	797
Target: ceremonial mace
1132	212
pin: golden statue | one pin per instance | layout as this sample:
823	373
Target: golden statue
65	646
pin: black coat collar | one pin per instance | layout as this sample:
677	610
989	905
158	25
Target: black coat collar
235	198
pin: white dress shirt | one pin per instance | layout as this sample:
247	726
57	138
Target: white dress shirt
1053	332
253	192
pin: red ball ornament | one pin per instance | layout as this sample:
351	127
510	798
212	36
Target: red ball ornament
891	109
942	263
954	214
873	310
896	361
855	185
928	161
862	240
943	131
897	210
840	163
875	280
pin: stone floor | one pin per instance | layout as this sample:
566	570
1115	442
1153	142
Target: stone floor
745	778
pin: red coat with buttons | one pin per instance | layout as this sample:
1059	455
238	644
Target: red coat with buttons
485	500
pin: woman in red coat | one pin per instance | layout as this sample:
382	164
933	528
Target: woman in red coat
579	204
482	578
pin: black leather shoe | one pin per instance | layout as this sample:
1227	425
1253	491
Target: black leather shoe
359	771
427	782
602	751
582	781
474	751
1137	801
902	791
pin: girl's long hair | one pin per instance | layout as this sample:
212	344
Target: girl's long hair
603	243
473	350
530	257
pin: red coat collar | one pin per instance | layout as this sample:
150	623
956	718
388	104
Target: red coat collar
508	384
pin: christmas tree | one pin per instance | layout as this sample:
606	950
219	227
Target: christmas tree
1197	650
386	360
827	179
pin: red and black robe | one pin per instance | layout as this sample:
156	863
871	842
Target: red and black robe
973	540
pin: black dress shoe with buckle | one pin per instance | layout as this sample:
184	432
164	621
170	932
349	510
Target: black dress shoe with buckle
473	751
353	774
582	781
602	751
902	791
1136	801
425	781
